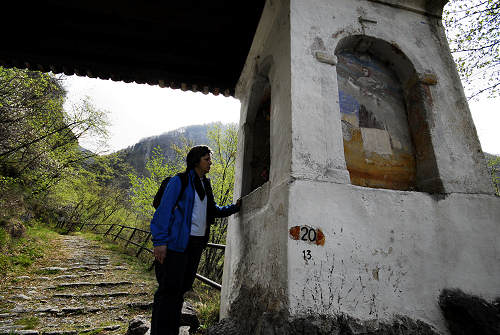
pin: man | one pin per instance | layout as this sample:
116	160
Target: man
180	229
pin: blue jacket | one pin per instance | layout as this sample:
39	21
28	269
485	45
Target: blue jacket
172	226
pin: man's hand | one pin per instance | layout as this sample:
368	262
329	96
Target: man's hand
160	253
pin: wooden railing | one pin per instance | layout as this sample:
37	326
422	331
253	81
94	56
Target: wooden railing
137	237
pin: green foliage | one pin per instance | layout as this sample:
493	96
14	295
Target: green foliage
494	165
6	182
224	143
39	140
473	29
90	194
143	189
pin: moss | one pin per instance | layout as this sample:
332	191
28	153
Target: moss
92	332
30	322
47	271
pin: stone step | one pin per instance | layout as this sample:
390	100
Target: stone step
97	295
53	269
17	331
87	268
75	310
84	275
141	305
85	330
72	267
87	284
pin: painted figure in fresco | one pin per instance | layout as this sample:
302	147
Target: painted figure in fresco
180	230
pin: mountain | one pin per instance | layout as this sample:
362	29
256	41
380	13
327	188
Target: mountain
137	154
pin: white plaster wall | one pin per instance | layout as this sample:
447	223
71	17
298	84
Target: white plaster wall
256	251
413	242
390	252
317	141
417	244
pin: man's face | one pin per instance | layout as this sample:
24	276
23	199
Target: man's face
205	163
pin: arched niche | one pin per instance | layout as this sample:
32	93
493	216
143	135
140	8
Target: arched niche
257	129
384	110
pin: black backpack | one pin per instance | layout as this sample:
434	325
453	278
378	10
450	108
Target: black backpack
163	186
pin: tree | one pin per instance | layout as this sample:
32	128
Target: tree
473	29
39	139
224	142
144	188
89	195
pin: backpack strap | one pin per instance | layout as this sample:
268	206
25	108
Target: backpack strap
159	193
184	183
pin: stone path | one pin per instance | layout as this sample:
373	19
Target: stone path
83	288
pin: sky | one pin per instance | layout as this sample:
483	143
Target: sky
137	111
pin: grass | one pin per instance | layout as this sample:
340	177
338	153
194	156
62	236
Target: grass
47	271
127	255
18	254
30	322
6	306
206	301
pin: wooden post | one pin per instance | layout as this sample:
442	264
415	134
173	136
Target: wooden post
131	236
143	244
70	229
118	233
107	232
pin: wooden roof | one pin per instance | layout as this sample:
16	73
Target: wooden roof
190	44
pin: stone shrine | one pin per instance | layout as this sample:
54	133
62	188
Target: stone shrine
365	189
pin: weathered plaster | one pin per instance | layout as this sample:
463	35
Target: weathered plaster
385	254
388	252
256	245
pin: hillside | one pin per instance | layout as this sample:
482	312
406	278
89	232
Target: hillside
137	154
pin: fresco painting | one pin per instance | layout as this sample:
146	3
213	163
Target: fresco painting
378	146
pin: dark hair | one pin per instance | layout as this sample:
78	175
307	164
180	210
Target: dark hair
195	154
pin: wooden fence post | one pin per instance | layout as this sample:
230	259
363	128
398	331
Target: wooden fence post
143	244
116	236
107	232
130	238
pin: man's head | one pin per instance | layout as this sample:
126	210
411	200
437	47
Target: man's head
199	157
